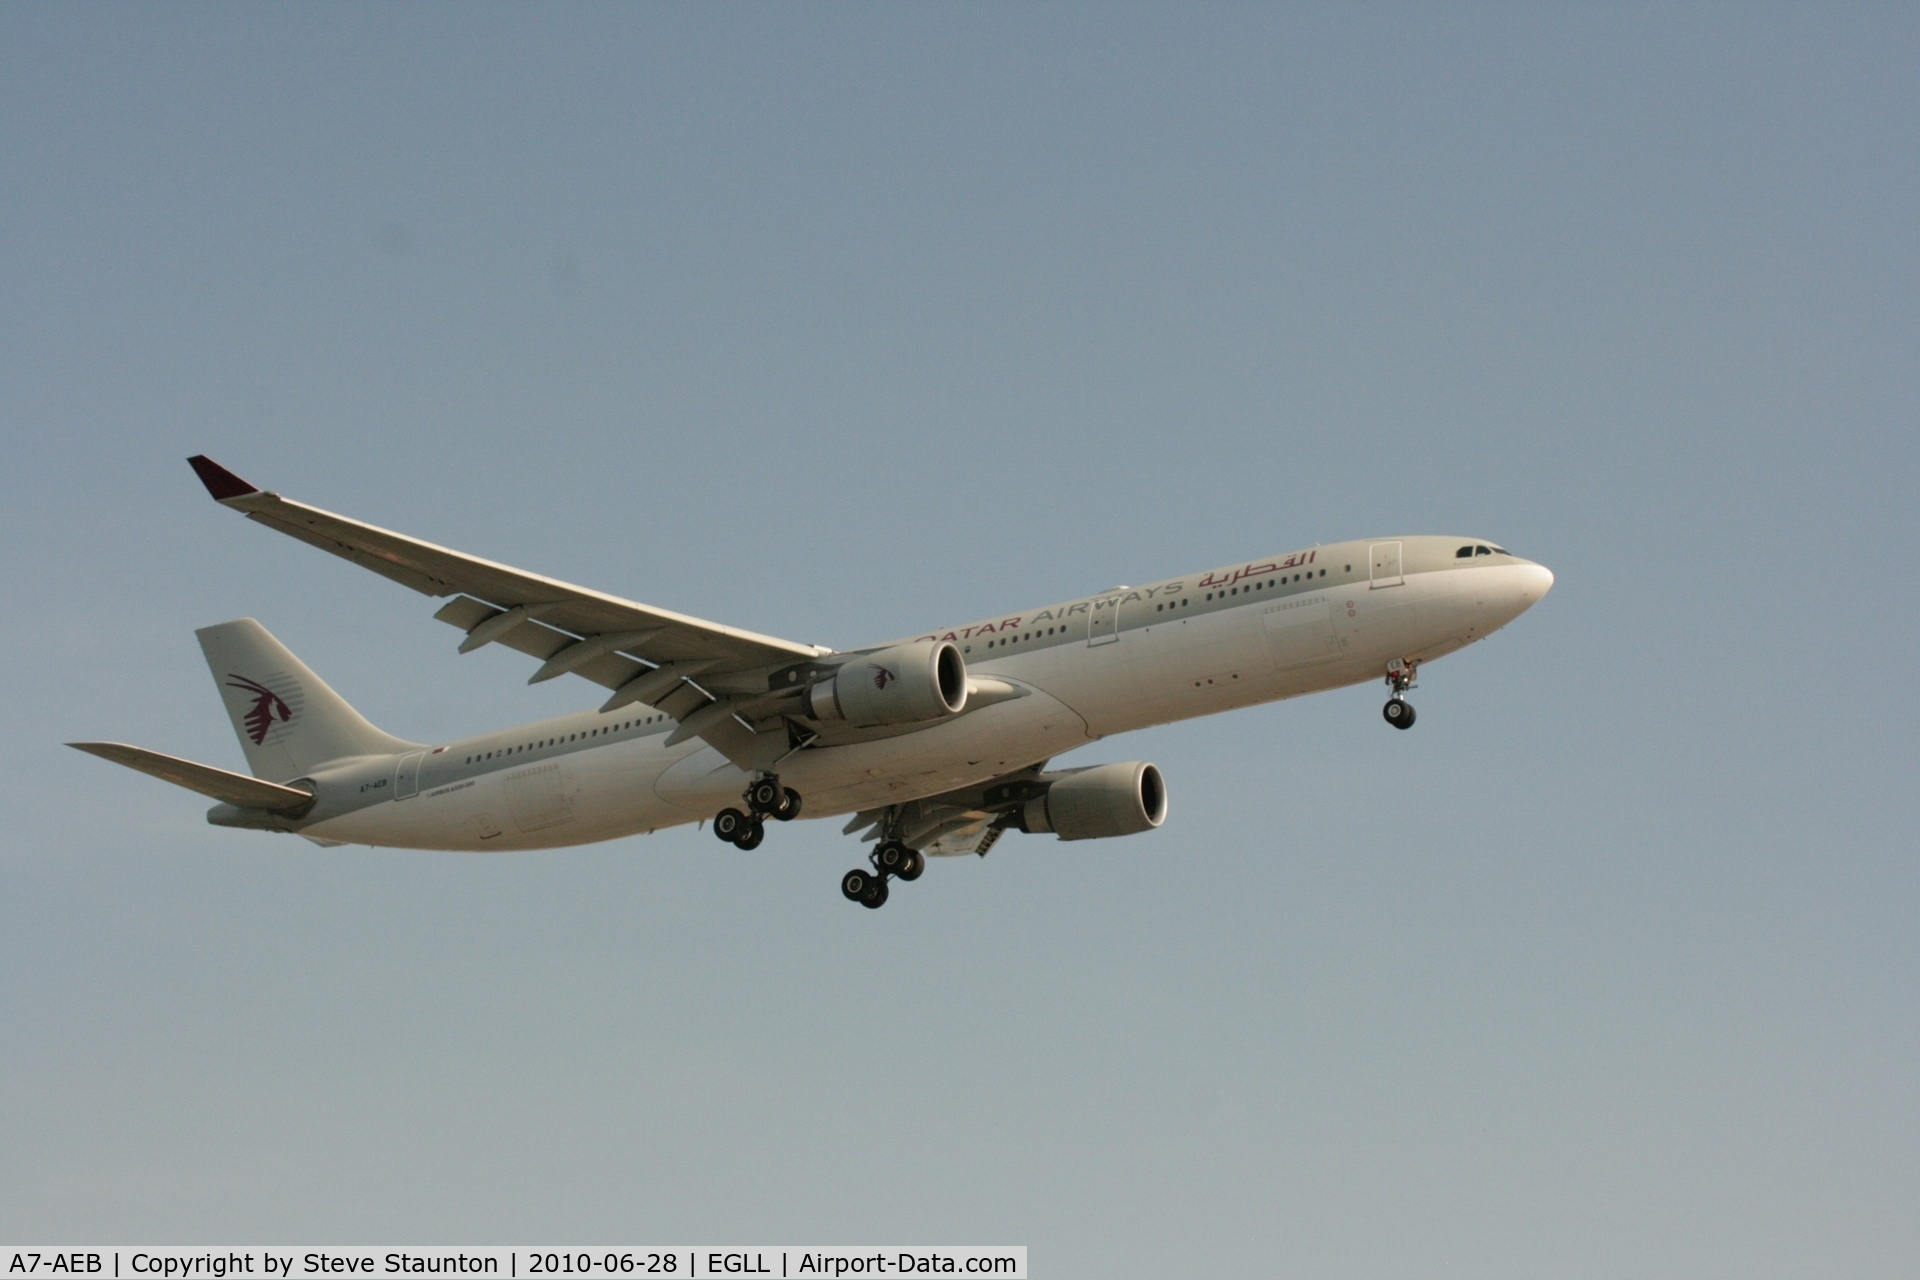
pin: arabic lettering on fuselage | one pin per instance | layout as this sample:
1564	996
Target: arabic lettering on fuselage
1226	578
1059	613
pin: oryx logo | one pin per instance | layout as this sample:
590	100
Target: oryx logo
882	676
268	706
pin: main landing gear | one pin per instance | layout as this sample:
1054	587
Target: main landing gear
890	859
766	798
1400	678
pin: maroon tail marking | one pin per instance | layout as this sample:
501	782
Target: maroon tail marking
266	703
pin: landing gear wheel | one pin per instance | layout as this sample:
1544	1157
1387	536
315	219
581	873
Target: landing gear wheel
914	866
864	887
1399	713
730	825
891	856
790	808
752	836
765	796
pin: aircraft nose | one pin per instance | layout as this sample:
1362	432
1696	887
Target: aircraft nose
1530	582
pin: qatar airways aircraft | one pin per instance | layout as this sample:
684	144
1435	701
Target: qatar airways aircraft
936	744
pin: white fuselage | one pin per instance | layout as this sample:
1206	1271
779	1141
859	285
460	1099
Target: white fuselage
1089	669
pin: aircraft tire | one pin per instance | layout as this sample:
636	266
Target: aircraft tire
891	856
751	837
916	863
1398	713
853	885
790	806
728	824
876	895
764	796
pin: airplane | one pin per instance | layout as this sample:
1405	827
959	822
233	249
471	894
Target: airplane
935	744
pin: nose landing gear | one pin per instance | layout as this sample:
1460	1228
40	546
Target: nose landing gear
1400	678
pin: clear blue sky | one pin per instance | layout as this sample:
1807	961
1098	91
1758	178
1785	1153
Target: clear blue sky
839	323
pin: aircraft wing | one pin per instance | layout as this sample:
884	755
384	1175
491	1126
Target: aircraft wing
645	654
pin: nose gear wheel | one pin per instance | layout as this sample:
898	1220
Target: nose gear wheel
1400	677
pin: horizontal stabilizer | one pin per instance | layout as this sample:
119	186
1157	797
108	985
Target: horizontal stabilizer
234	788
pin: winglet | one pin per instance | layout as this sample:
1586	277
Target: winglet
220	482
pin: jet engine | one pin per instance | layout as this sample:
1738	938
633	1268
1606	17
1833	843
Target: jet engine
1106	800
904	684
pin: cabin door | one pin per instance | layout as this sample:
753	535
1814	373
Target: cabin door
1385	565
406	779
1103	624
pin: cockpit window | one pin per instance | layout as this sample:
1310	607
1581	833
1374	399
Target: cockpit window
1463	553
1501	551
1482	551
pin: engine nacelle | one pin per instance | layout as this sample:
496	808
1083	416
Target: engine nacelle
906	684
1106	800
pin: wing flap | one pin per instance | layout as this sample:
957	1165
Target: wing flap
218	784
977	838
536	639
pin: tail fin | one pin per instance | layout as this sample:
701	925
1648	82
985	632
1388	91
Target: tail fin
288	720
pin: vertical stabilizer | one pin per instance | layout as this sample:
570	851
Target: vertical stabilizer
288	720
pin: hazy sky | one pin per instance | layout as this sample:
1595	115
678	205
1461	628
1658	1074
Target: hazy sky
840	323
